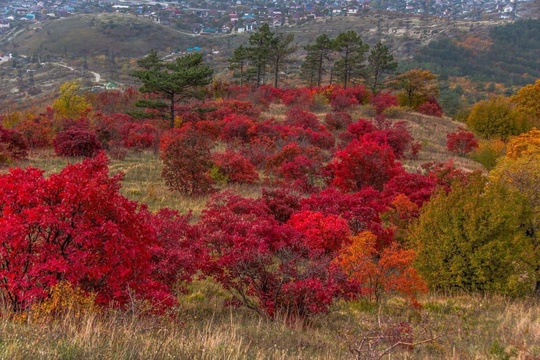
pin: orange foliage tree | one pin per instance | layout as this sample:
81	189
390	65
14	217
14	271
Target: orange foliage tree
384	272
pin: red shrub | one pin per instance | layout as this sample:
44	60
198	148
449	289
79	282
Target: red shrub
268	266
208	128
461	142
281	203
360	128
297	97
302	119
361	210
417	187
235	167
77	142
363	164
430	107
38	132
74	226
238	127
341	101
186	162
258	150
324	233
301	173
13	146
178	253
397	137
139	136
382	101
338	121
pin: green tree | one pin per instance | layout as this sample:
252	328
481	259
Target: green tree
417	86
281	48
318	54
380	62
472	239
352	55
239	61
175	81
261	42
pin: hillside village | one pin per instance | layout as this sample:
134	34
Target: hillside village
225	16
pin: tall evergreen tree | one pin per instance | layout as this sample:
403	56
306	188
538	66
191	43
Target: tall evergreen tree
240	60
352	55
318	54
261	43
380	63
280	50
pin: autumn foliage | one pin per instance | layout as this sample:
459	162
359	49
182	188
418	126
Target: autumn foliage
74	226
77	142
383	272
461	142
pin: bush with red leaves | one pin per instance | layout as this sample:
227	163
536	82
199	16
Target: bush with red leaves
302	119
300	97
74	226
430	107
342	99
461	142
362	164
13	146
361	210
268	266
139	136
325	234
186	161
337	120
77	142
37	132
235	167
382	101
300	174
238	128
281	203
178	253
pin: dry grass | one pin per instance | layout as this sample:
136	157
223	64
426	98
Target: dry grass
466	327
142	180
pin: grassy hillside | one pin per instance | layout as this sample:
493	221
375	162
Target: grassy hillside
96	34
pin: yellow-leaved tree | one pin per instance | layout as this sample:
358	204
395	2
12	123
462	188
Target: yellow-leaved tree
497	118
519	171
527	101
70	104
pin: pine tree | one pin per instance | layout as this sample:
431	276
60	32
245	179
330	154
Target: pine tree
318	54
175	81
380	63
351	50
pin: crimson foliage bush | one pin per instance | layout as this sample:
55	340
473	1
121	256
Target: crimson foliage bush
186	162
461	142
77	142
235	167
13	146
74	226
272	267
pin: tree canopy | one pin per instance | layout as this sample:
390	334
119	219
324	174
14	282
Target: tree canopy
175	81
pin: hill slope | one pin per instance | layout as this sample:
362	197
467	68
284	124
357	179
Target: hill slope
86	35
